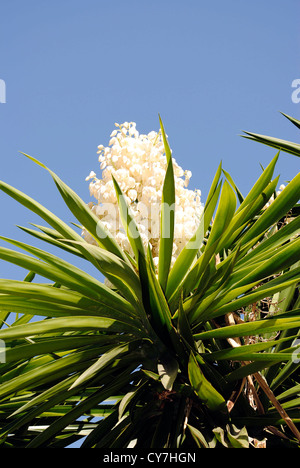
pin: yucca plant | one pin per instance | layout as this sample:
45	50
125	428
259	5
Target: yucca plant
202	352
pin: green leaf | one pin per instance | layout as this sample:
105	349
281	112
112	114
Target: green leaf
250	328
281	259
288	370
94	399
278	209
44	400
129	223
245	279
47	295
66	324
232	437
232	183
52	345
248	369
104	361
41	211
240	221
288	393
129	397
251	352
120	273
47	372
260	184
183	326
198	437
203	388
269	245
214	185
223	305
103	428
167	369
224	214
153	298
196	308
53	240
283	145
63	272
84	215
188	254
292	119
167	217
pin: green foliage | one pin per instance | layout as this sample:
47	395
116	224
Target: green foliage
201	354
287	146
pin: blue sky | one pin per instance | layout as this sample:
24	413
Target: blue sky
211	69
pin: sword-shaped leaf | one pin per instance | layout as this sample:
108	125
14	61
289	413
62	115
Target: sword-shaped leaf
51	237
284	145
129	223
251	328
83	214
120	273
67	324
59	270
167	369
167	218
105	360
203	388
277	209
260	184
224	214
292	119
188	254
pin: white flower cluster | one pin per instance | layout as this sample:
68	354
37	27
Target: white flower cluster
278	192
138	164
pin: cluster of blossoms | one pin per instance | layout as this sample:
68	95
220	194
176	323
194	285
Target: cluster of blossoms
138	164
282	187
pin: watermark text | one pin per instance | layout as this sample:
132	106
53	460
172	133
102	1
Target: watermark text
149	220
296	93
2	92
2	352
296	353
